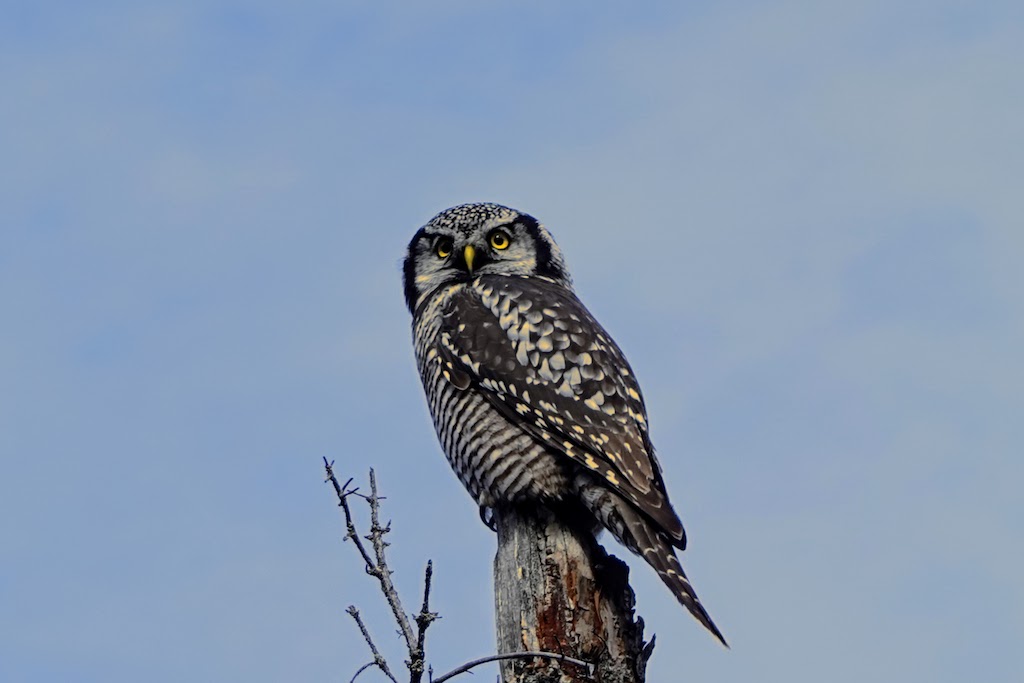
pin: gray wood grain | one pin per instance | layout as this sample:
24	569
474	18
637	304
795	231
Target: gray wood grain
557	590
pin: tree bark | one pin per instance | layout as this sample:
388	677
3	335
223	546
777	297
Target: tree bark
557	590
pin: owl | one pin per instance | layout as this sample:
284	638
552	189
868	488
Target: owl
532	400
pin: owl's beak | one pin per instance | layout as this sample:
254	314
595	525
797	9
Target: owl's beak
469	253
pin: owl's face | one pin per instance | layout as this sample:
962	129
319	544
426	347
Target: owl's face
470	240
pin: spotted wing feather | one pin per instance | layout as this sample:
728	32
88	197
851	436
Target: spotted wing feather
542	359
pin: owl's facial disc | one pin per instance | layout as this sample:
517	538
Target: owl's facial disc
472	240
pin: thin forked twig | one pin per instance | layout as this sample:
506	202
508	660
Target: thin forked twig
343	493
378	660
514	655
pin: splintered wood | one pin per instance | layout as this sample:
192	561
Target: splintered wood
557	590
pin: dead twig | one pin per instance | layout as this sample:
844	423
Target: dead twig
423	620
378	660
514	655
343	493
381	571
376	566
360	670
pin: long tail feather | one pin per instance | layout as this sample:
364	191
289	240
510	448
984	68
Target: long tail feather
637	533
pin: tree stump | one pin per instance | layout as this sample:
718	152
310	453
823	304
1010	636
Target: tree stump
557	590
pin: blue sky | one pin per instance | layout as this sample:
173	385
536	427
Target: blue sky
802	222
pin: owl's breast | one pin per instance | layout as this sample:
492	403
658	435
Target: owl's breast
495	459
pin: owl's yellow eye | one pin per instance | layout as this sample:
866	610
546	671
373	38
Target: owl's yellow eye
443	247
500	239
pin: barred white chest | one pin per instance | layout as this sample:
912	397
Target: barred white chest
496	460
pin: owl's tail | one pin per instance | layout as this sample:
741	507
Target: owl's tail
635	532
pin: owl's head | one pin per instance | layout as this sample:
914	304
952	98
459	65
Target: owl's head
470	240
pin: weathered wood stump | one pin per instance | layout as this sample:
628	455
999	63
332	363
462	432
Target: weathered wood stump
557	590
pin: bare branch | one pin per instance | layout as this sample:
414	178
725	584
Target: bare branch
379	568
360	670
423	620
514	655
350	528
382	572
376	565
378	660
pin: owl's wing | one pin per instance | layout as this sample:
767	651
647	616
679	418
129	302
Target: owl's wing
542	359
